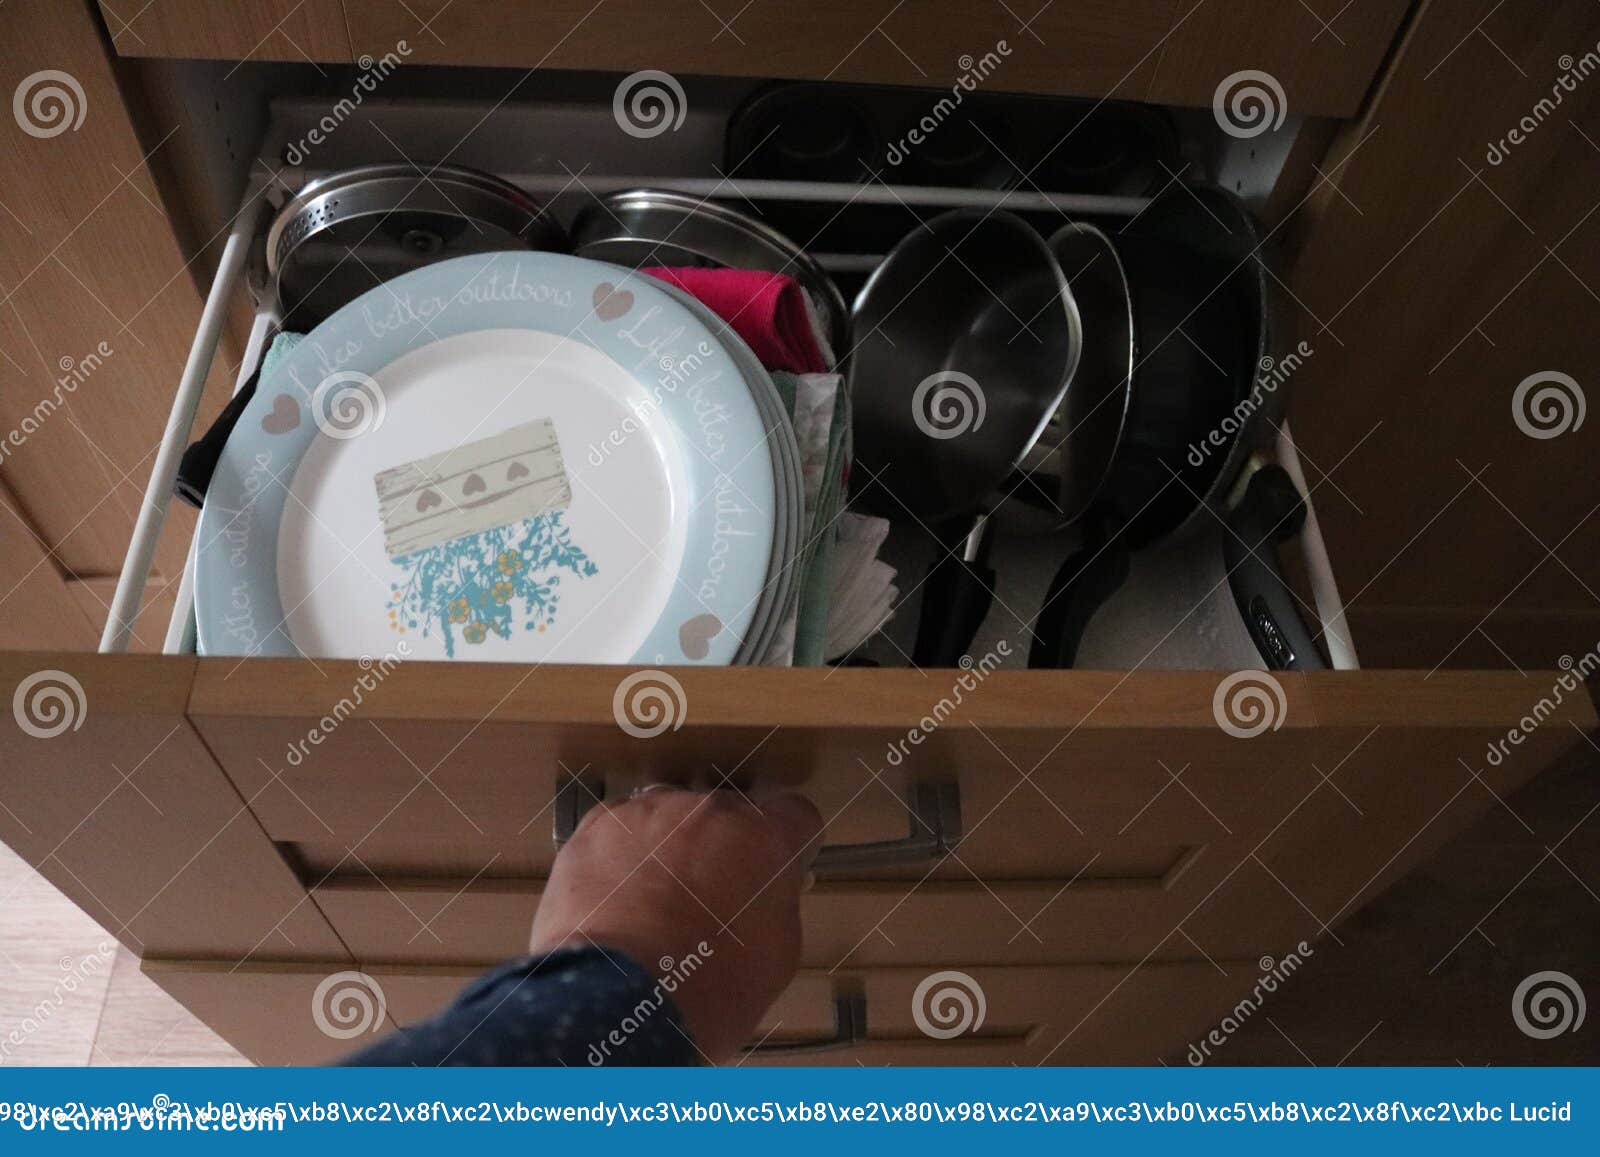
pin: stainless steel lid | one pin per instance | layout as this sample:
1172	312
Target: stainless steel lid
641	227
346	232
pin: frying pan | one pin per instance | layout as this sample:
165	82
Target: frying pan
1202	325
967	338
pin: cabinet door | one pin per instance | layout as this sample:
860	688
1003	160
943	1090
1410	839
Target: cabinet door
107	790
1447	268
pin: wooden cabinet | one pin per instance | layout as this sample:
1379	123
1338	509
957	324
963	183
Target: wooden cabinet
1148	843
1121	861
1170	51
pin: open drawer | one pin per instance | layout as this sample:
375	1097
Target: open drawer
1057	817
264	823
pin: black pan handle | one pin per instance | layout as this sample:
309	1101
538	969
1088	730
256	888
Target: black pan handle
199	461
1271	511
956	597
1080	588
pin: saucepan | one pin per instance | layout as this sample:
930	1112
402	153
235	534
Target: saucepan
967	340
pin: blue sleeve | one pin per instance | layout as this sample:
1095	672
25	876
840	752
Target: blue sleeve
583	1006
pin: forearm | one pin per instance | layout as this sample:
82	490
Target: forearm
583	1006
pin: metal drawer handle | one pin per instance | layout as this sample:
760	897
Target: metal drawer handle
935	823
850	1029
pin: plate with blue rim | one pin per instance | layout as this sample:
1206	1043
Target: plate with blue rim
518	457
781	588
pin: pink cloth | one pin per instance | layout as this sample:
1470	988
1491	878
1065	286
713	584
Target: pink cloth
767	310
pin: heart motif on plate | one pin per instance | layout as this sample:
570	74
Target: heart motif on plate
283	417
474	484
516	470
696	634
427	500
610	302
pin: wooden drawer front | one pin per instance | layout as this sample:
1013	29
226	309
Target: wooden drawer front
858	924
1085	1014
281	1014
1058	773
449	771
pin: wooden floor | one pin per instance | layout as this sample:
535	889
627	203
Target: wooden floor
70	995
1424	976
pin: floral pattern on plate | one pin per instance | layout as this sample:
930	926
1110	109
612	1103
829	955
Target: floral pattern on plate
475	584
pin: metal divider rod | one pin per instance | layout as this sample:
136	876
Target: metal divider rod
158	494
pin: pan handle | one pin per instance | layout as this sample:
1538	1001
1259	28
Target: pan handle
1080	588
956	597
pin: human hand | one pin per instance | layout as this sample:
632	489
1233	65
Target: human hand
658	875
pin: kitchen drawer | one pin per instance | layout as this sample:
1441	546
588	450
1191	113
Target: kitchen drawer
865	923
1057	773
1088	1014
1103	816
1122	1013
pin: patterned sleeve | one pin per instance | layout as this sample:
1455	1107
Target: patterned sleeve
583	1006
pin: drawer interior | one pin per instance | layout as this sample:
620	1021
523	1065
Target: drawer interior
560	138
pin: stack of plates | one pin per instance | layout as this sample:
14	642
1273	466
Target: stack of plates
515	457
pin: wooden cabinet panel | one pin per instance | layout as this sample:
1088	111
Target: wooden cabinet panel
228	29
98	302
1324	56
1085	1014
1160	50
1088	47
36	612
1453	255
106	789
280	1014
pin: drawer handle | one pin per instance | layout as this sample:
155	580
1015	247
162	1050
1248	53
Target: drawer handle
849	1030
935	826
